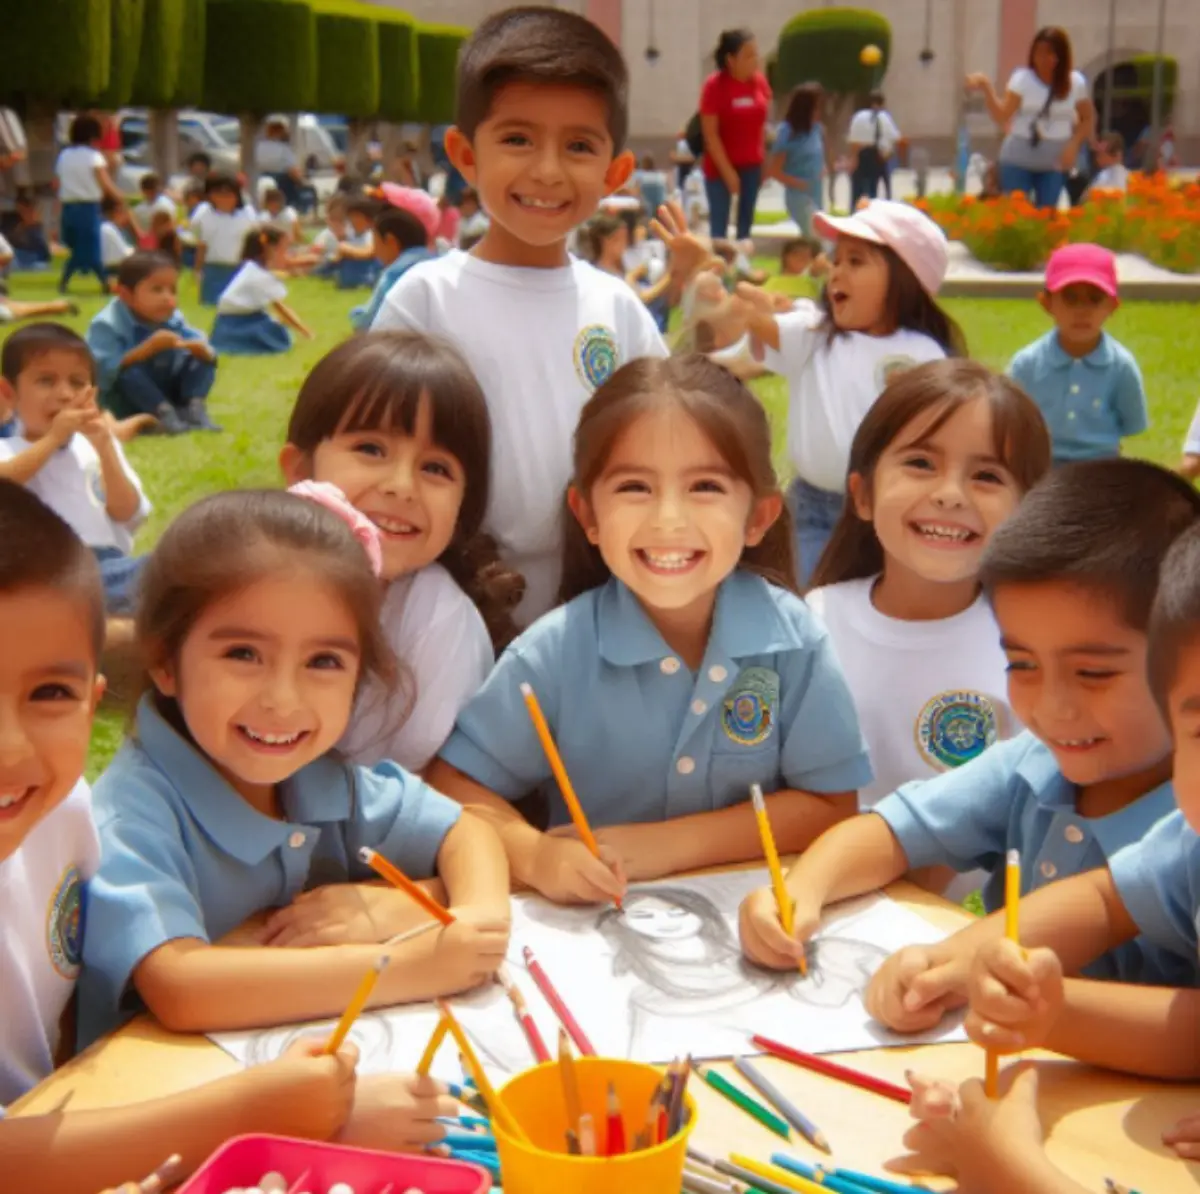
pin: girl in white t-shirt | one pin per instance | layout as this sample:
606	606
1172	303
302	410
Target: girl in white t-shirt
82	181
220	225
940	461
244	325
397	422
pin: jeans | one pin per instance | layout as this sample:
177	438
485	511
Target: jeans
80	227
174	377
815	512
119	574
801	207
869	171
1043	186
720	201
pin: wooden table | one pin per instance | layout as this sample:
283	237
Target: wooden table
1099	1124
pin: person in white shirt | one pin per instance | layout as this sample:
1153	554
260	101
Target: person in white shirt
154	200
220	225
873	138
114	244
83	180
1111	174
279	215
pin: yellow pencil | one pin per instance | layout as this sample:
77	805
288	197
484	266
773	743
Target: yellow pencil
1012	907
772	854
435	1043
781	1177
356	1005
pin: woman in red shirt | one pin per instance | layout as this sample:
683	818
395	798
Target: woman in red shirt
734	103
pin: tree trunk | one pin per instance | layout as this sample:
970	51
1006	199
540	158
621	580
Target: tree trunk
358	161
164	142
249	124
38	168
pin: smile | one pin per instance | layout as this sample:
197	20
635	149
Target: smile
272	742
13	801
550	205
669	561
941	532
1076	743
394	526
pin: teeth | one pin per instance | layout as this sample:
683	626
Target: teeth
544	204
1076	741
8	799
394	526
670	559
950	534
271	739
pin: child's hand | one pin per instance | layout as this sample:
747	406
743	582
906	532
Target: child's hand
641	851
164	340
761	931
336	914
565	871
470	951
1015	996
688	252
200	349
397	1112
911	992
1184	1138
68	421
317	1091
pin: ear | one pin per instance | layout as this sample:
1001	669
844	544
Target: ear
1113	304
582	510
1044	300
295	465
763	517
461	153
163	677
124	293
859	495
99	687
618	172
8	393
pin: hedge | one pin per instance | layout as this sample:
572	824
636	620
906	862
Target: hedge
437	55
347	60
189	83
260	56
823	46
124	50
399	72
157	75
65	51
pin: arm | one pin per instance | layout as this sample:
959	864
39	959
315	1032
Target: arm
107	185
163	340
122	499
287	315
1132	415
201	254
24	466
1000	110
1085	130
473	866
715	148
353	252
775	170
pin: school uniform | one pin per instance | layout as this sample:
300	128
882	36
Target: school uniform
1013	797
223	235
143	216
643	738
184	856
353	272
326	244
80	193
243	327
114	248
362	317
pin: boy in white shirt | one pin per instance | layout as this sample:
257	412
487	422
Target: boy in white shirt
280	215
83	180
114	247
154	199
542	118
1111	174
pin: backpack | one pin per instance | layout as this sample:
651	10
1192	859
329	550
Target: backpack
694	136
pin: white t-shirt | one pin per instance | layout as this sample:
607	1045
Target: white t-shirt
540	341
76	169
114	248
251	289
222	234
71	484
832	385
326	243
6	250
862	130
41	893
1059	121
1111	178
144	213
445	654
274	157
285	221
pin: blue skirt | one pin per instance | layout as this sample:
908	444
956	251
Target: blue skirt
80	229
217	275
249	335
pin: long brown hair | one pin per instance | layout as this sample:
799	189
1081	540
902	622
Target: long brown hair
945	387
375	381
802	107
1058	40
731	417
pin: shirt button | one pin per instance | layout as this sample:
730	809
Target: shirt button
717	673
686	765
699	707
297	840
1070	415
1074	389
669	666
1073	834
1049	870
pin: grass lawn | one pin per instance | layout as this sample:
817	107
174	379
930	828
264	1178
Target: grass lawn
253	397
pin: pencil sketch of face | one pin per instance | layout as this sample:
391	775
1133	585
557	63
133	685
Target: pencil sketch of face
839	969
661	920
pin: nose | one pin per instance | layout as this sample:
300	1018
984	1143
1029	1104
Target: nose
949	493
401	479
15	747
1057	702
669	514
280	693
547	165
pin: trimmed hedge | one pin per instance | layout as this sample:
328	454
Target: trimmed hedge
399	71
189	82
260	56
437	56
823	46
347	60
64	50
157	75
125	50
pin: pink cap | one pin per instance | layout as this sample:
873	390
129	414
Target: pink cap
420	203
1082	263
910	234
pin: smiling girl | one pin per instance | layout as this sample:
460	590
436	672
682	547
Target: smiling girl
682	667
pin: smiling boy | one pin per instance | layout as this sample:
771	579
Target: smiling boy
542	119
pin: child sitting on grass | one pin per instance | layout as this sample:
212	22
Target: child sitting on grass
115	240
244	325
11	309
356	254
402	239
154	200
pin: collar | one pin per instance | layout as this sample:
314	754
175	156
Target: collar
321	792
124	319
1100	357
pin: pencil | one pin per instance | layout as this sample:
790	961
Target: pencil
397	878
560	1009
570	1085
356	1005
831	1069
847	1179
435	1043
468	1098
756	1182
744	1102
587	1136
615	1125
781	1103
532	1035
1012	906
786	909
1116	1188
773	1173
677	1104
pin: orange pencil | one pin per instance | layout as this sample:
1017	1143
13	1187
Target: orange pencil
397	878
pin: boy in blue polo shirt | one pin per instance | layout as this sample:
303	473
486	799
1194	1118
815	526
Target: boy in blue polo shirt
1088	386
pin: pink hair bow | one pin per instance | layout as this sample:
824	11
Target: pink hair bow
362	528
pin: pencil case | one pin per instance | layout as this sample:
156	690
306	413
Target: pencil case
311	1167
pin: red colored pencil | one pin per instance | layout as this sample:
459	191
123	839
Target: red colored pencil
540	1052
616	1125
559	1008
831	1069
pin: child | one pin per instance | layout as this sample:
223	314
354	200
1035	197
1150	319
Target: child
1111	174
193	199
114	244
67	453
166	239
149	359
51	631
326	243
540	330
397	422
1071	577
243	325
259	617
220	226
473	222
937	464
802	257
402	240
356	254
681	668
607	240
279	215
31	249
154	200
1088	386
83	181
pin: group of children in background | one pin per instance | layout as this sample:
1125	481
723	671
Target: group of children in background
983	660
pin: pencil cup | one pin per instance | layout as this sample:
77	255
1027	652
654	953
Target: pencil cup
543	1166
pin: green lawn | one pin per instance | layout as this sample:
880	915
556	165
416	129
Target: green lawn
253	396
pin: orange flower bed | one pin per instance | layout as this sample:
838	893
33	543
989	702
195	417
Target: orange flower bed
1157	219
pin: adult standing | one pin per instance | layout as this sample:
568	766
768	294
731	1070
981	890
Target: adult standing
873	139
734	103
797	158
1048	115
275	158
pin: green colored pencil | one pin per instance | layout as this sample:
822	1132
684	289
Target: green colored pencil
751	1107
1117	1188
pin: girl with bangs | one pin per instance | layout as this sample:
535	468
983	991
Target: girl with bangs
681	668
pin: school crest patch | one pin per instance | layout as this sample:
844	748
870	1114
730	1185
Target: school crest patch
94	480
889	367
64	924
955	727
595	355
751	705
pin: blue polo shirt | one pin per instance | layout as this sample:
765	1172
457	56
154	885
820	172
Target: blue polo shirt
1013	797
183	855
646	739
1089	403
116	329
362	317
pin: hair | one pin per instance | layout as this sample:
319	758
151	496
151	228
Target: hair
222	180
274	195
361	205
908	306
941	388
376	381
1104	525
468	195
729	43
876	98
725	410
276	125
137	267
648	162
84	130
42	551
258	240
193	190
111	204
149	182
1175	616
802	107
1113	142
335	207
597	230
807	243
1057	39
35	340
408	231
199	158
349	185
167	242
549	46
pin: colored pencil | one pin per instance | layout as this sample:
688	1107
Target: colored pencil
854	1182
677	1104
648	1136
1116	1188
468	1098
587	1135
614	1125
469	1140
356	1005
1012	906
744	1102
560	1009
699	1183
521	1009
410	934
786	906
831	1069
781	1103
397	878
570	1084
470	1122
754	1180
773	1173
814	1173
435	1043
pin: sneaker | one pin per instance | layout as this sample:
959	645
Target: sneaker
169	422
198	417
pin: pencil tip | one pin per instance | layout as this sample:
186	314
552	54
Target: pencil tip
526	688
365	853
820	1142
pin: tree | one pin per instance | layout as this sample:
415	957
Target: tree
437	55
65	50
348	69
125	49
156	81
399	70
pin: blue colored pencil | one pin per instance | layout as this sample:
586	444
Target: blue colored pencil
465	1121
468	1097
814	1173
486	1161
476	1141
877	1185
782	1103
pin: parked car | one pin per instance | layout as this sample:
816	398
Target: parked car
207	132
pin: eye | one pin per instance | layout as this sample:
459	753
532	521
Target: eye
921	463
241	654
1088	673
327	661
439	468
1020	665
515	139
708	485
53	692
581	146
991	477
368	447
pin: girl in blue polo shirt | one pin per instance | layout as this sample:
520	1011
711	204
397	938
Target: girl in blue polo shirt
682	666
259	618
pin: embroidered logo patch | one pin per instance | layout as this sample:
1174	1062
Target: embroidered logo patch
94	480
889	367
595	355
954	727
64	924
748	714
